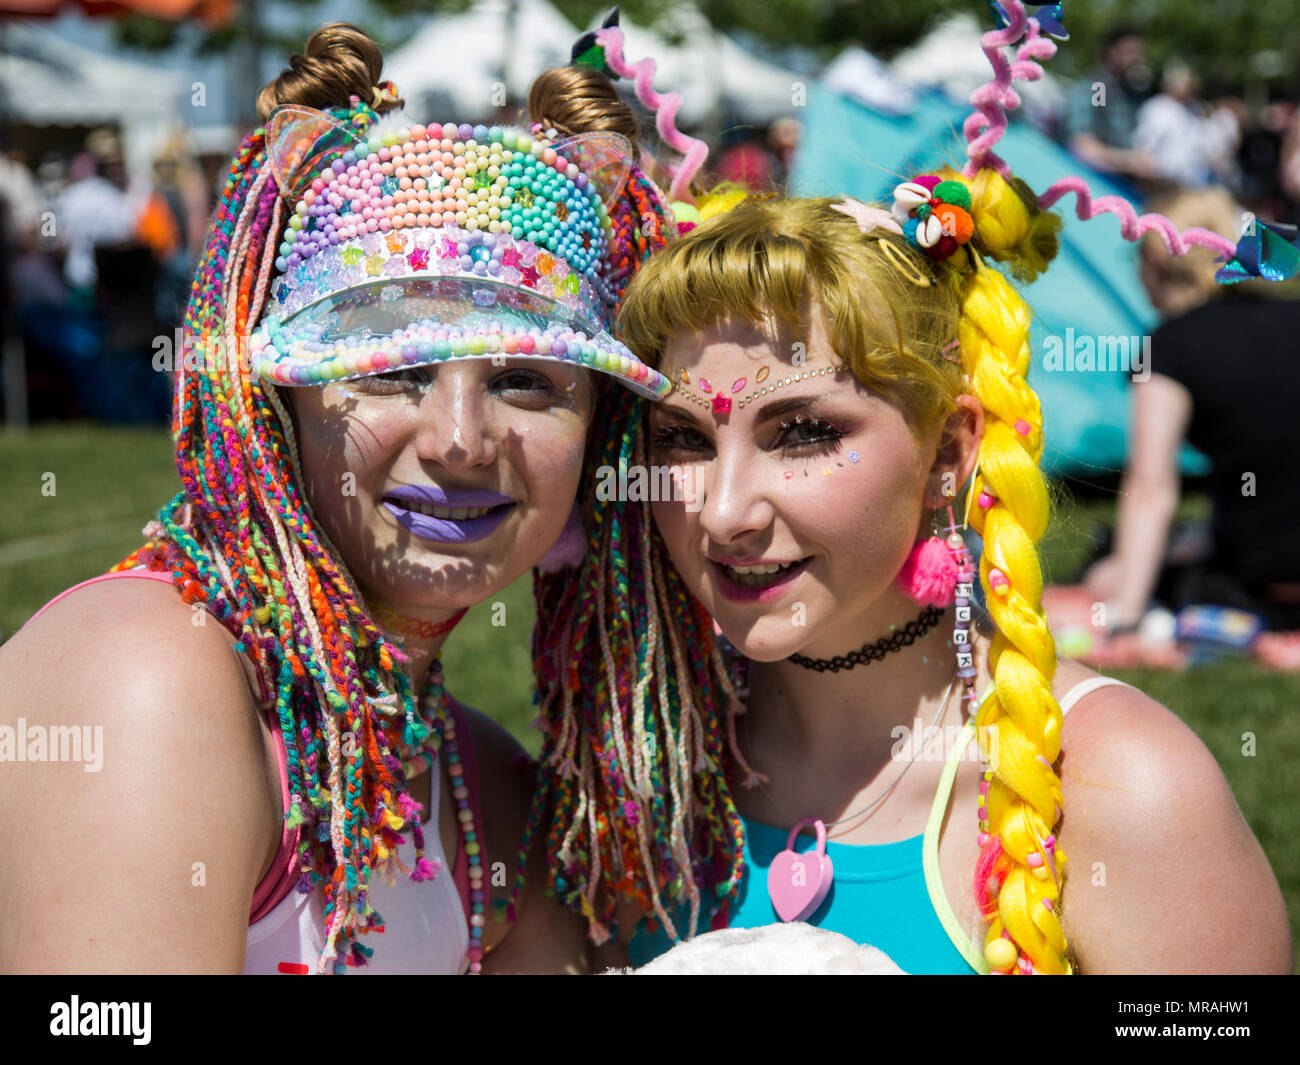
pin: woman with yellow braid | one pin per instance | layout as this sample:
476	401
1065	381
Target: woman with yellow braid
840	372
853	417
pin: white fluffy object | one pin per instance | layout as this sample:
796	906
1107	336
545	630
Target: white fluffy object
795	949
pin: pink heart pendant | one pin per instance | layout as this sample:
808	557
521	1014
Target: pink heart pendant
797	883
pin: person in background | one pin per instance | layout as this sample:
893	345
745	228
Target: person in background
748	164
1102	112
1173	130
91	211
1222	376
171	223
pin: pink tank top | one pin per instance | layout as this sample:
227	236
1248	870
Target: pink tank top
426	923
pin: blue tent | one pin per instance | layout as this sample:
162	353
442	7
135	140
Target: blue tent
1091	291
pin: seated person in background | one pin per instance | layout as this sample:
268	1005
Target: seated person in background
1101	114
1223	375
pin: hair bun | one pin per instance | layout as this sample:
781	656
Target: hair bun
338	62
1010	226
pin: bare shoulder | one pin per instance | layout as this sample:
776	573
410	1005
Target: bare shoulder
168	802
1165	875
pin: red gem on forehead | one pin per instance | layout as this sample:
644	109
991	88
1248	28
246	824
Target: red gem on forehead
721	404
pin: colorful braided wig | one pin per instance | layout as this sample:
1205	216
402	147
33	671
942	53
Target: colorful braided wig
240	538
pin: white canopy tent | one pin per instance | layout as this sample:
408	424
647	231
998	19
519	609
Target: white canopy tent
859	75
949	57
48	81
711	72
708	69
456	62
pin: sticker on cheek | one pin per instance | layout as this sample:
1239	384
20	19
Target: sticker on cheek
789	474
854	456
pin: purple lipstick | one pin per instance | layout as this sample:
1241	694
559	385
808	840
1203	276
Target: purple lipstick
456	517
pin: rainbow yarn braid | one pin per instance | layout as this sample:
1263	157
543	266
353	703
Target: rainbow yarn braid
642	225
241	539
629	787
631	783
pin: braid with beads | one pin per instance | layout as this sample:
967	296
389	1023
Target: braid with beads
630	783
240	538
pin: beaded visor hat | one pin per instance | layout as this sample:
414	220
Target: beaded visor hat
441	242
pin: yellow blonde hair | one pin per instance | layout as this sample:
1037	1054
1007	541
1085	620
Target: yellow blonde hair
788	259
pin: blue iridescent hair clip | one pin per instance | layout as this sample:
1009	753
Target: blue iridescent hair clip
1268	249
1049	18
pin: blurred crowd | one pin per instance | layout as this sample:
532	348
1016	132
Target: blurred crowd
1175	137
98	268
1221	376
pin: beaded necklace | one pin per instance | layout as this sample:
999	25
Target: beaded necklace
441	742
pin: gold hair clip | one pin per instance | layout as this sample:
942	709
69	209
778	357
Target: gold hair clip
900	264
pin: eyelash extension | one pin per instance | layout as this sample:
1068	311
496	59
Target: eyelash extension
825	444
663	438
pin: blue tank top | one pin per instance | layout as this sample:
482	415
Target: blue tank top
878	897
887	895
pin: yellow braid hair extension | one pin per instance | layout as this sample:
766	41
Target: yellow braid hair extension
1021	857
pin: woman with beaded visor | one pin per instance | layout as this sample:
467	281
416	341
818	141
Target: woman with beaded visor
381	420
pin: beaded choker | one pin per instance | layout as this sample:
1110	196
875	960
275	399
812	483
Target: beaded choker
874	652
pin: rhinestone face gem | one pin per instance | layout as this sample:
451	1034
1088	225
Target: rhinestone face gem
761	376
704	385
721	404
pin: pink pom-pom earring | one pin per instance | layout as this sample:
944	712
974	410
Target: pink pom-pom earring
929	576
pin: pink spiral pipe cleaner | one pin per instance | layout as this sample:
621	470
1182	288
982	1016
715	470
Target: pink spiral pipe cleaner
985	126
665	107
1133	225
992	100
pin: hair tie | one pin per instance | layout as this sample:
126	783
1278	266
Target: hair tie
385	90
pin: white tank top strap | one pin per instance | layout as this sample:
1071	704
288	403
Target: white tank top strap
425	926
1085	687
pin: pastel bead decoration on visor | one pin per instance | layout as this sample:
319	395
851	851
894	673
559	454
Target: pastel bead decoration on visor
437	242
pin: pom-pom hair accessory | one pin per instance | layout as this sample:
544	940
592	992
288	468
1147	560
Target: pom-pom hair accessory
934	214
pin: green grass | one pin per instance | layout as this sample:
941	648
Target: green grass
109	481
